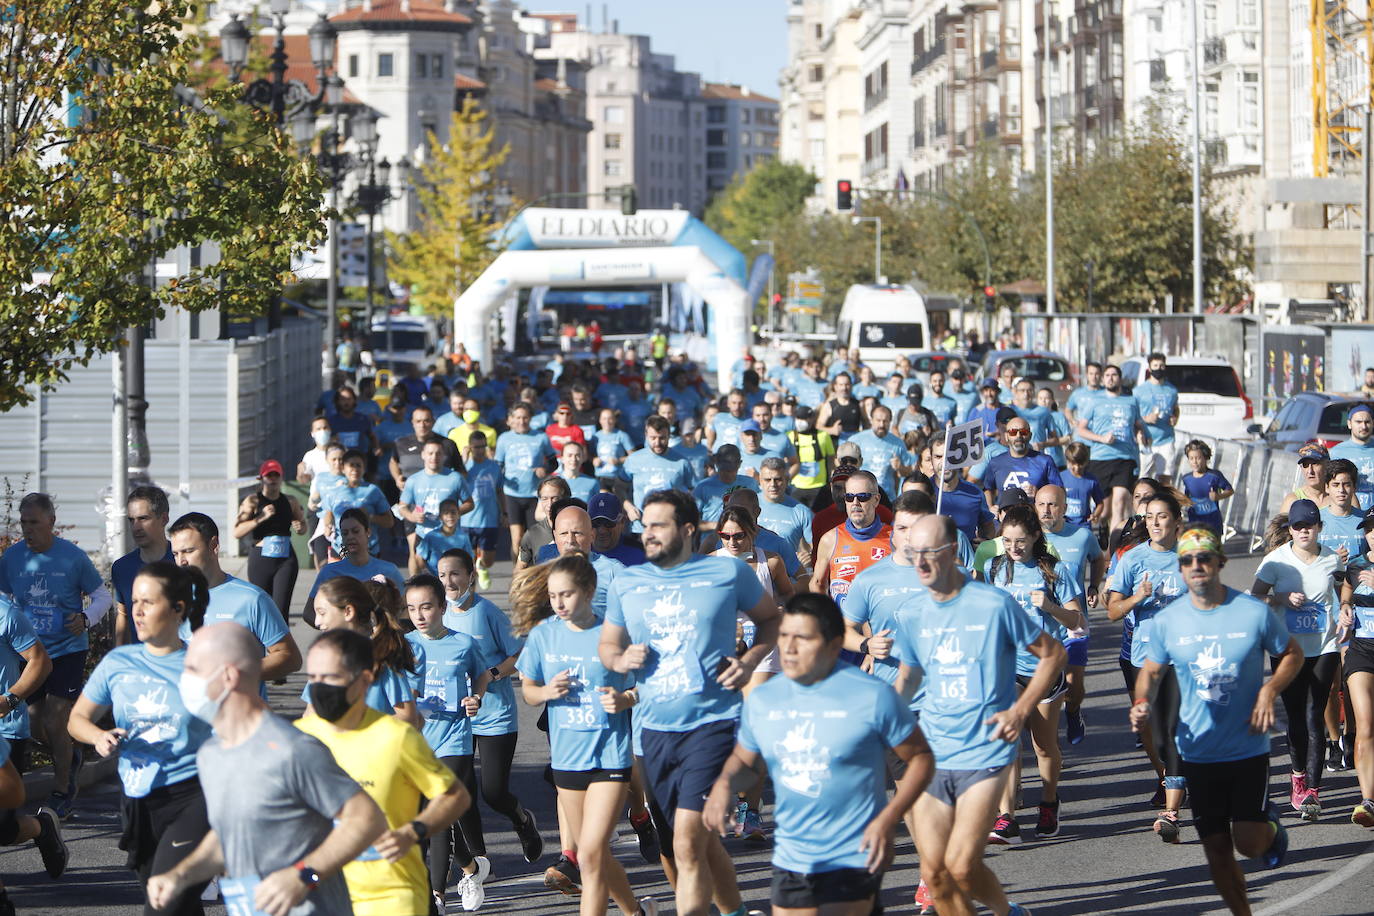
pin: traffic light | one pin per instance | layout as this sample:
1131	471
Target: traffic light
629	200
989	297
844	195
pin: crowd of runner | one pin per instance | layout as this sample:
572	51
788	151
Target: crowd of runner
773	611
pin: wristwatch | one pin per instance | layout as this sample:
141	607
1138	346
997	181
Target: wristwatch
495	673
421	831
14	701
309	877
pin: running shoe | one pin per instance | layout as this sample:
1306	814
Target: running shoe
1005	831
1334	756
531	843
564	876
50	843
741	815
1016	909
1273	857
1075	728
925	901
1167	826
1299	791
61	804
483	577
753	827
648	906
1048	824
470	887
440	907
1310	807
1158	799
648	837
1363	815
1347	753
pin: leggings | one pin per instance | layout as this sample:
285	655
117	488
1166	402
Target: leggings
1164	724
276	576
168	824
497	753
1304	703
453	842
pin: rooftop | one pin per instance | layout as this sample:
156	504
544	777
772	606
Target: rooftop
406	12
732	91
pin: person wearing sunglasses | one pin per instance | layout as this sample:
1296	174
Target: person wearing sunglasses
1298	579
1021	467
847	550
562	430
1217	637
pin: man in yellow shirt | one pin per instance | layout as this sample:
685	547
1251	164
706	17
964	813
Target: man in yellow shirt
472	421
393	764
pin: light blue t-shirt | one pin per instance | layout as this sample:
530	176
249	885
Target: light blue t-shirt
875	598
710	494
825	745
435	544
1161	396
878	455
325	482
582	735
787	518
426	491
1116	417
581	487
614	444
1077	547
50	587
519	454
1058	428
1038	417
967	400
727	427
1165	579
697	456
967	647
649	472
162	738
1342	531
364	496
1081	495
1078	402
16	636
943	407
483	480
1219	657
248	606
490	630
686	615
1021	581
446	670
373	567
1363	458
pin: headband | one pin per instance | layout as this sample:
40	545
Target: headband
1196	540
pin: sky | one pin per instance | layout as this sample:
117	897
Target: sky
726	41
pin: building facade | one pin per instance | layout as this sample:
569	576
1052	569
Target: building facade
741	131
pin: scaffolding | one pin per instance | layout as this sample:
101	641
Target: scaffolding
1342	88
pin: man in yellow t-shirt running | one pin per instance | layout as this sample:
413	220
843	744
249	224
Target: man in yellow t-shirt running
392	763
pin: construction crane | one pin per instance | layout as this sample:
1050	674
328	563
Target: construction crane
1342	82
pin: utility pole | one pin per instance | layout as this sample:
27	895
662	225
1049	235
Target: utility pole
1366	242
1049	165
1197	165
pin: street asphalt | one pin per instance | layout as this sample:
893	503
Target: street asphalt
1106	859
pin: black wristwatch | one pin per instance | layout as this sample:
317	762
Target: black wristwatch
421	831
14	701
863	646
495	673
309	877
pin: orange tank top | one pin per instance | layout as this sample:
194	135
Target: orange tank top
852	556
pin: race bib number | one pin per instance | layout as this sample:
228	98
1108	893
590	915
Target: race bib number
675	677
956	686
1306	619
238	896
581	709
275	546
47	621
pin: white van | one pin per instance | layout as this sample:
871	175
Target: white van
881	323
412	341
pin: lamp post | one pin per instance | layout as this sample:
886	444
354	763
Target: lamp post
372	193
292	103
877	222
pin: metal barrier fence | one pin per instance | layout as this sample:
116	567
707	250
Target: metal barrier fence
1261	476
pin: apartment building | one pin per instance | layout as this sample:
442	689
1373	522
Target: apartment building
741	131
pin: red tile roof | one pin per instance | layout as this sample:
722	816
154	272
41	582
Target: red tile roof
463	81
416	11
731	91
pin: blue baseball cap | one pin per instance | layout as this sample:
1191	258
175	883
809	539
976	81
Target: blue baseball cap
1360	408
1303	512
604	506
751	426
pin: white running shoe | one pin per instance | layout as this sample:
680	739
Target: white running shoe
648	906
470	886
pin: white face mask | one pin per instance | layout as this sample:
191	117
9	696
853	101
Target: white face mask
321	437
194	696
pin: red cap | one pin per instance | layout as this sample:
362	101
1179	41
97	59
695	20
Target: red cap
270	466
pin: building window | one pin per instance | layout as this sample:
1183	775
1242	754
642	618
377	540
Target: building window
613	141
436	66
816	74
715	138
819	31
744	115
422	66
611	168
715	114
352	66
613	114
386	65
715	160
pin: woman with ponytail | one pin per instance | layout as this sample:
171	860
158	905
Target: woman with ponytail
155	736
349	604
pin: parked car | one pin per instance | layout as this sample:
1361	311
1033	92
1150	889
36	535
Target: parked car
1045	369
1310	415
1211	399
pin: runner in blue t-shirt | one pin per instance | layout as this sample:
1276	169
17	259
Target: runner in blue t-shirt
449	685
961	500
483	523
1084	496
354	492
1359	450
523	456
357	563
966	647
155	736
1216	639
1204	486
426	491
655	467
1158	400
147	511
1021	467
610	446
673	621
1341	516
1357	664
441	540
823	732
1077	405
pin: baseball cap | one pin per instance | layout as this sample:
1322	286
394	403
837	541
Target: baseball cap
1368	521
1304	512
1313	451
728	454
841	473
1006	414
1012	496
604	506
1358	408
687	425
988	382
270	466
958	373
914	393
803	412
848	450
751	426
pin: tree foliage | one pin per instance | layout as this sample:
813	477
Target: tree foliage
755	202
108	161
453	243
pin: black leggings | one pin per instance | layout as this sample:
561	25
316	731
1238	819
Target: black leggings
1304	703
1163	714
453	842
276	576
497	753
166	826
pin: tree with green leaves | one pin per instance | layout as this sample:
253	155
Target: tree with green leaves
755	202
454	242
108	160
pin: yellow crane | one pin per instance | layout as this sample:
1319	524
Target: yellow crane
1342	82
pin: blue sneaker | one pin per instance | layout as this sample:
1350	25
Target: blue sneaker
1017	909
1075	728
1273	856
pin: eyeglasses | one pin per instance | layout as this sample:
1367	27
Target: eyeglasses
858	497
1019	433
926	553
732	538
1197	559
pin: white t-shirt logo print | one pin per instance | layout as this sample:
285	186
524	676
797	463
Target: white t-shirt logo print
672	630
805	763
1214	678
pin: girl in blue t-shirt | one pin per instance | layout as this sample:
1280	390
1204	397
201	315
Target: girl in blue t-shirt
370	608
587	705
1205	487
1047	592
1357	620
155	735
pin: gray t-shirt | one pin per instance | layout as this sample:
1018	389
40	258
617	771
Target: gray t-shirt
271	800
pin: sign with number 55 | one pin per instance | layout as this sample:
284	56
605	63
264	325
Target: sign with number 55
964	444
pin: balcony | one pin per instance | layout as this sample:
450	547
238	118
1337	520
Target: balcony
1214	52
873	101
1215	152
877	164
928	56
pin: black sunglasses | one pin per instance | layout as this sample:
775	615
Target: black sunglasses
858	497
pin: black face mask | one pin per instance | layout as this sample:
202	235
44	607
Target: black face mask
330	701
1157	374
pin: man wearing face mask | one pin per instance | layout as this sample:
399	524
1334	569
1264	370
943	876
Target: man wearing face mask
394	765
815	452
281	847
472	422
1158	400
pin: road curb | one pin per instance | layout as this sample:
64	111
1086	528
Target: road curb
39	784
